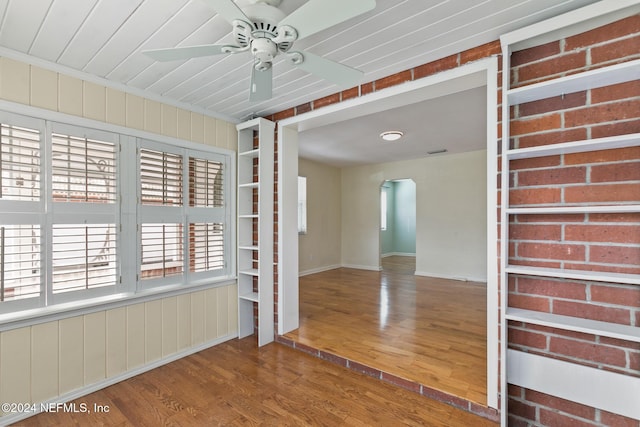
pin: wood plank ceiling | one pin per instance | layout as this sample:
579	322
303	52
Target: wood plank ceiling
105	38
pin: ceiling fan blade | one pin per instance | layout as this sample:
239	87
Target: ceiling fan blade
228	10
176	53
261	85
317	15
332	71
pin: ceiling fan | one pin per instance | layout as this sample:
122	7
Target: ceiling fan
265	31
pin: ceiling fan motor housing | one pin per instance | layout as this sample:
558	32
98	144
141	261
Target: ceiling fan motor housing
263	50
262	34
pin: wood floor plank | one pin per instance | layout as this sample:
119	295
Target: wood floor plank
237	383
428	330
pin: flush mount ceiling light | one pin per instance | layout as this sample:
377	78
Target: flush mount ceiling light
391	135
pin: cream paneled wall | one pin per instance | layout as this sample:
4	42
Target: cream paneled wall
55	359
63	359
35	86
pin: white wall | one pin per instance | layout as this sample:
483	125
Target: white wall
319	248
451	218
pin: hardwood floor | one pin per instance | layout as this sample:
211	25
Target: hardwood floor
426	330
236	383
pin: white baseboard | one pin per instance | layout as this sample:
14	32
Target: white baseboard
91	388
318	270
451	277
363	267
397	254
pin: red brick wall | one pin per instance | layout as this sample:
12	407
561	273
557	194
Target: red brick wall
600	242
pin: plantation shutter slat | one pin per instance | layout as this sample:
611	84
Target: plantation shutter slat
83	170
161	246
83	256
20	250
206	183
20	163
161	178
206	248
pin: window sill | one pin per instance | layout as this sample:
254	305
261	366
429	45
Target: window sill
36	316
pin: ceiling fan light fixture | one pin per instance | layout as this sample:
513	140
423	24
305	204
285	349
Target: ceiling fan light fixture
392	135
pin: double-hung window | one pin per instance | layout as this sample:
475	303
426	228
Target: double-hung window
302	205
184	216
84	211
383	208
58	226
21	212
82	217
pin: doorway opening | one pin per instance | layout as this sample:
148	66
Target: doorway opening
479	74
398	225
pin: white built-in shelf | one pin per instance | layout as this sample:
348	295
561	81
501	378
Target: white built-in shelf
255	229
595	276
524	369
605	76
576	324
253	296
608	143
252	272
612	209
251	153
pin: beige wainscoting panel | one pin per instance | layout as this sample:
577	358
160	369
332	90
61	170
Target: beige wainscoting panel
232	137
135	111
153	330
71	337
197	318
44	88
210	131
15	354
152	116
14	80
169	120
69	95
197	127
222	310
95	347
135	336
184	124
116	109
233	308
44	361
184	321
94	101
116	337
210	314
222	136
169	326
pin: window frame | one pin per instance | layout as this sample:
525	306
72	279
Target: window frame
66	213
302	207
384	208
127	291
